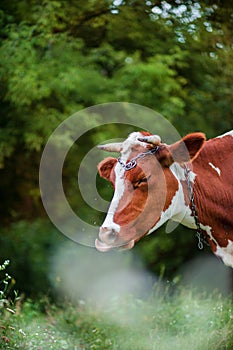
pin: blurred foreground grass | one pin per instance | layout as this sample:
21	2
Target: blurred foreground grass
184	320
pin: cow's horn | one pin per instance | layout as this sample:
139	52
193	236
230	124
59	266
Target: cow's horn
154	139
111	147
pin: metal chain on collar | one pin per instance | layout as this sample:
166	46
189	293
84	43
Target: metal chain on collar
133	162
199	233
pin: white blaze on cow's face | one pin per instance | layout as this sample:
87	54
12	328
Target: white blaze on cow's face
142	194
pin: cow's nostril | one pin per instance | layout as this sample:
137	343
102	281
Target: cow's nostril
107	235
112	235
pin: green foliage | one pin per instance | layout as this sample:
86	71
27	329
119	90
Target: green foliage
4	283
186	319
29	247
154	83
156	249
50	70
58	57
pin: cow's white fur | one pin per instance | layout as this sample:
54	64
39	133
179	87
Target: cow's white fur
229	133
208	230
176	211
226	253
215	168
120	183
118	193
181	211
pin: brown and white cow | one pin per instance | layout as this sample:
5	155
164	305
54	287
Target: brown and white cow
150	187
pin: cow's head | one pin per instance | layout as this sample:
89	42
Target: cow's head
143	191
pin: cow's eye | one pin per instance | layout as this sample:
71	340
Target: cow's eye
139	182
142	180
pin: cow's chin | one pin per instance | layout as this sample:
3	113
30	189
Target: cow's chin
104	247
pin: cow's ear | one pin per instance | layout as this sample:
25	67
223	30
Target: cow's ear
188	147
105	167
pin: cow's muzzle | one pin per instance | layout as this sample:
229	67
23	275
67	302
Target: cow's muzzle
108	240
107	235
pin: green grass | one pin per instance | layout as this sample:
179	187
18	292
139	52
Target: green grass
185	320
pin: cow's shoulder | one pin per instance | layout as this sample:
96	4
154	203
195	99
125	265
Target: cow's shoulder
217	149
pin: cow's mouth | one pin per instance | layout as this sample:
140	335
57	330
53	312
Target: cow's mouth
104	247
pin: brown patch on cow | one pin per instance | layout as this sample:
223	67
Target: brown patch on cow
186	192
214	193
131	205
164	156
145	133
171	182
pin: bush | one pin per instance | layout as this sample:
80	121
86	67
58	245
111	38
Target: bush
29	246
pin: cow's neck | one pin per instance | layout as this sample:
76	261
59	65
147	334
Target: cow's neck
182	212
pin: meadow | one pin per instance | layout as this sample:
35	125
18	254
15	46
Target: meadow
177	318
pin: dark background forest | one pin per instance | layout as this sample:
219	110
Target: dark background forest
59	57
